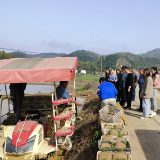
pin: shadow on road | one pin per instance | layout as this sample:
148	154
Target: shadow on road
134	114
158	111
148	138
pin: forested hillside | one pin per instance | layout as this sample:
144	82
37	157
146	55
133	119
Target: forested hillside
115	60
91	61
85	56
4	55
154	53
131	60
41	55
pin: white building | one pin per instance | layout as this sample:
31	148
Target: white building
83	71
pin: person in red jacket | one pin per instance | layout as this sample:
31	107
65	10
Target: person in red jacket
156	84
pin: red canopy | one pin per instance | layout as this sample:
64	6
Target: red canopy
19	70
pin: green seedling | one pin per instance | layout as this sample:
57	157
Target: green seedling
119	150
112	145
127	144
104	150
96	137
106	125
120	135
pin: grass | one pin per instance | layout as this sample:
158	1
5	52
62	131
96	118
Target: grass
88	77
81	90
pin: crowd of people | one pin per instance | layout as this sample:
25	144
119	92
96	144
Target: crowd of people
120	85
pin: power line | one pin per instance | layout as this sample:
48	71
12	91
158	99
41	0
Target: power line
18	50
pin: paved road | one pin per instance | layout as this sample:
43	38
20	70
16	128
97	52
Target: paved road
144	134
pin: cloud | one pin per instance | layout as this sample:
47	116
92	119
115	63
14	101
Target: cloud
65	47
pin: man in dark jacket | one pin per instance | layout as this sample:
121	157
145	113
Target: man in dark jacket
122	87
128	86
17	93
107	93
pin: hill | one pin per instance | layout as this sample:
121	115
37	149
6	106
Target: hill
90	61
154	53
4	55
41	55
84	56
131	60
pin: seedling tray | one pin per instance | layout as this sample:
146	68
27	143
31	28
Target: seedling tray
110	126
105	115
126	138
113	149
127	153
107	132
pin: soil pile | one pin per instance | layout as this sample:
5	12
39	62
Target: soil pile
123	132
108	138
117	126
120	139
113	132
85	129
105	145
105	156
91	85
120	145
119	155
108	126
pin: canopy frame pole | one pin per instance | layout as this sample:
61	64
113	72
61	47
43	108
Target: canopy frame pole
73	104
55	111
7	98
1	105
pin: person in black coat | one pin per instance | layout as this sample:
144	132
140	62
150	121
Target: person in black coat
117	84
107	74
128	86
17	93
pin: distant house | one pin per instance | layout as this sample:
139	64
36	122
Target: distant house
83	71
97	73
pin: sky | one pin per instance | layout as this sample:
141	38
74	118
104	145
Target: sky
64	26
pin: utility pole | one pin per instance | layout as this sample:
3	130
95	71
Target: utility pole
101	66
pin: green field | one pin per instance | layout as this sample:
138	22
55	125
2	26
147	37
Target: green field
87	77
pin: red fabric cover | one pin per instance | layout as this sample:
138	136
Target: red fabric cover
65	131
26	132
66	115
48	70
62	101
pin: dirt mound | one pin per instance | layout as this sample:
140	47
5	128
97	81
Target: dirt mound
108	126
123	132
120	145
91	85
117	126
108	138
105	155
119	155
120	139
82	139
113	132
105	145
